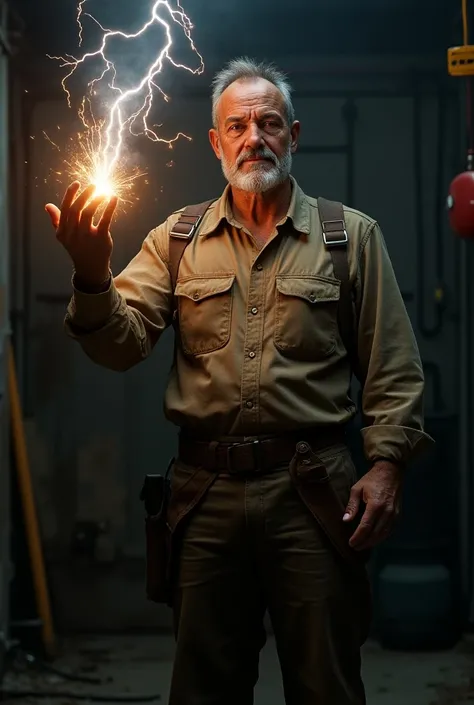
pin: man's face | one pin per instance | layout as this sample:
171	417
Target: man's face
253	139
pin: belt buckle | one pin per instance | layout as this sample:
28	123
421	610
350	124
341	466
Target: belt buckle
257	457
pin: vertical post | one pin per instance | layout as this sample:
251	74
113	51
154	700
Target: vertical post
465	431
5	568
465	485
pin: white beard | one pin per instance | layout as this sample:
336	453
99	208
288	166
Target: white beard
262	176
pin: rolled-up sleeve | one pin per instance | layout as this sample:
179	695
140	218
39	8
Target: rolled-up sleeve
391	370
119	327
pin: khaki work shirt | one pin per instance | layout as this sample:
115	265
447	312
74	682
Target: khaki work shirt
260	350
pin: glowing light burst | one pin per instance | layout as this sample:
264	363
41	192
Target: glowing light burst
97	157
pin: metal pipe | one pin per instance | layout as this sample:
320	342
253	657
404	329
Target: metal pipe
17	219
45	90
26	268
440	194
464	484
323	149
426	330
4	398
464	387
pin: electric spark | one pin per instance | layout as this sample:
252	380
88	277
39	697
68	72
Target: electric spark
97	155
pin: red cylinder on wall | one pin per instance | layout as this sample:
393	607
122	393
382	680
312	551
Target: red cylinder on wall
460	202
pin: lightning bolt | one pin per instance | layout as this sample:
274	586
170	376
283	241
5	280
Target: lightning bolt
102	148
80	9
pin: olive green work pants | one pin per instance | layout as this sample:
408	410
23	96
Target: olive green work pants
251	545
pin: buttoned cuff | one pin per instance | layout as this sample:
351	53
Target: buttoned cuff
397	443
90	312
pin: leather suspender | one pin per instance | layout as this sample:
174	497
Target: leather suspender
182	233
331	214
335	238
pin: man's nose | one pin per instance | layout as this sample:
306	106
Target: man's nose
254	137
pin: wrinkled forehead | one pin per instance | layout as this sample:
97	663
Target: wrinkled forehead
250	96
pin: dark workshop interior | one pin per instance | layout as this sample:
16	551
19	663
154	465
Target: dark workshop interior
386	122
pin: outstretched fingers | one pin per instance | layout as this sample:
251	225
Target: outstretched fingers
88	214
104	223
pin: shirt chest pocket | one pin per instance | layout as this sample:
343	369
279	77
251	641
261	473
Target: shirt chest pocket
306	316
204	312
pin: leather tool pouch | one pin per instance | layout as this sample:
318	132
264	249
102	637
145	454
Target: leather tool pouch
189	487
313	483
169	502
155	495
317	490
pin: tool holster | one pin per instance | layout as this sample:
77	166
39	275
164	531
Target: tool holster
155	495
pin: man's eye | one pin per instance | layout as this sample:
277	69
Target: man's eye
235	128
270	124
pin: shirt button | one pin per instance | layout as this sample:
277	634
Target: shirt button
312	297
259	267
195	295
251	354
249	404
254	310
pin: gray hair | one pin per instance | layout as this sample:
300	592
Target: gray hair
247	69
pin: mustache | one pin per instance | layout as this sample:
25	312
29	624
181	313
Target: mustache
257	153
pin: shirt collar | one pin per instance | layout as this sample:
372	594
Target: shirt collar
298	212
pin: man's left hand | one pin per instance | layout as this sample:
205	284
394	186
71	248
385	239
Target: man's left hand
380	490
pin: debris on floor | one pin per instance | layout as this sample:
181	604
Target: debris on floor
137	668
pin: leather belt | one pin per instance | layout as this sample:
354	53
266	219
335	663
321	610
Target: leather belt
254	455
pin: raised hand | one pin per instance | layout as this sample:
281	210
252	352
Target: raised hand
89	246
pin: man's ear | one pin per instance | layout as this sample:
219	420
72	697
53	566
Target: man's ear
295	135
214	140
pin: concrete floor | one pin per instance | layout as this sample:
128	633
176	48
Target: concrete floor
141	664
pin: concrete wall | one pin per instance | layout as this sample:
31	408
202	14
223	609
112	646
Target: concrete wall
94	434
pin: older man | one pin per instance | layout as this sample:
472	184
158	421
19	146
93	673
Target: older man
265	498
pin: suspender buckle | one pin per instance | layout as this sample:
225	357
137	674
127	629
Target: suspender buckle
334	233
187	228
